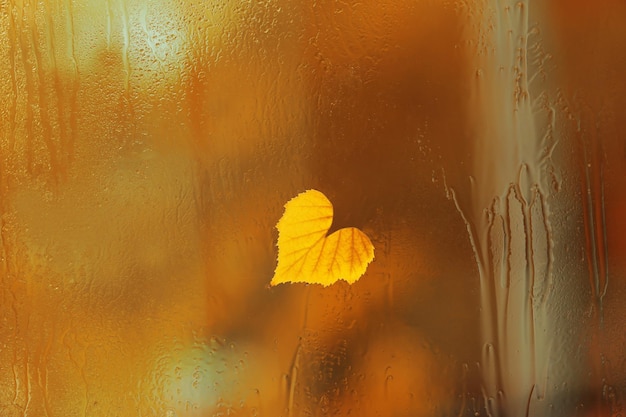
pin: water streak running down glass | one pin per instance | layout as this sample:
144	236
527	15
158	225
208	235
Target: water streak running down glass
147	150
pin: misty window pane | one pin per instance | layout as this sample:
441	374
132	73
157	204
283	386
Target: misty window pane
148	149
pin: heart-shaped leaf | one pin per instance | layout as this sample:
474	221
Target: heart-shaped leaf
307	254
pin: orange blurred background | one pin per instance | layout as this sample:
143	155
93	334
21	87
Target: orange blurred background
147	150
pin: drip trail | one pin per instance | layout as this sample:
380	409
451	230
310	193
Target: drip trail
509	217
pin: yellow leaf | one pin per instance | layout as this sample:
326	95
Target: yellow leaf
306	254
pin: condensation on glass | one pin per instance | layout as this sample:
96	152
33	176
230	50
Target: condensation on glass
147	149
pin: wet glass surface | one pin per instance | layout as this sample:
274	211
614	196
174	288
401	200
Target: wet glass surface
147	150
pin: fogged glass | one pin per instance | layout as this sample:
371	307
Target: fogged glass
147	149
